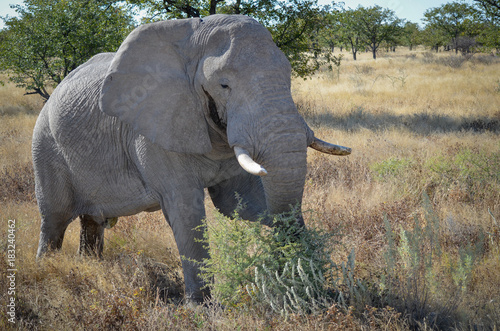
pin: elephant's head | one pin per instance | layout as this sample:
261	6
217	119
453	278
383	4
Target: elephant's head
192	86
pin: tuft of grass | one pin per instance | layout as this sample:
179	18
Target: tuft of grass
13	100
18	183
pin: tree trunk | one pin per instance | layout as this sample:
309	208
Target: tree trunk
213	7
237	6
354	49
185	8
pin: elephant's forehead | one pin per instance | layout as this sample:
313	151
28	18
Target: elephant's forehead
250	59
242	46
256	57
253	51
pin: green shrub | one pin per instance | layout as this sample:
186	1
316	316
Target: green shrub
391	168
469	175
478	166
286	269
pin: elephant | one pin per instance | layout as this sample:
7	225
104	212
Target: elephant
182	106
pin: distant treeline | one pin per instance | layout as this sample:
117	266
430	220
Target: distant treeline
49	38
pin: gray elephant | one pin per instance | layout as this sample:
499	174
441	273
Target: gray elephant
183	105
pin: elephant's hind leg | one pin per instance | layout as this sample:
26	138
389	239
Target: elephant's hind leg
91	236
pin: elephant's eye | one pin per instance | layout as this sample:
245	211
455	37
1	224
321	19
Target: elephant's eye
224	85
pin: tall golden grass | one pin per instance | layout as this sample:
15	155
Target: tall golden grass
407	116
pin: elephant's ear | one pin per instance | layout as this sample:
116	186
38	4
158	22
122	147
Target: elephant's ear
148	86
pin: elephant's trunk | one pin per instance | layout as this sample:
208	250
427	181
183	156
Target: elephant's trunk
280	158
284	184
274	145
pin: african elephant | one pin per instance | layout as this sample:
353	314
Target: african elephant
183	105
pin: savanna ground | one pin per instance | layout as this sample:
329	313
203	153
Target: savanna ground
418	201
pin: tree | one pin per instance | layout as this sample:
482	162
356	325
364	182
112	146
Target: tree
349	30
411	35
50	38
368	27
489	12
489	37
490	7
167	9
432	37
292	23
377	25
328	36
296	24
452	21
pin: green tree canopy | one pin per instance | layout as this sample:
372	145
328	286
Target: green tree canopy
452	21
489	11
433	37
368	27
411	35
50	38
490	7
378	25
349	30
330	34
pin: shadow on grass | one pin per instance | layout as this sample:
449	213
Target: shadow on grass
23	109
421	123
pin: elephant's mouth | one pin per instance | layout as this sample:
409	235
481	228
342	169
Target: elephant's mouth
214	113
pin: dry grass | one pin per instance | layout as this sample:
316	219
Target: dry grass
407	117
14	101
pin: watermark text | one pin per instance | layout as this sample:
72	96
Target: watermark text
11	271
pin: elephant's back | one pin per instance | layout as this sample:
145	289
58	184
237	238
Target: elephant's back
72	102
90	147
73	108
79	91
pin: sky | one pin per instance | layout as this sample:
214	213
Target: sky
411	10
5	9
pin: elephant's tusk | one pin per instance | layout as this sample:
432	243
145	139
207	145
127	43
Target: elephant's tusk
328	148
247	163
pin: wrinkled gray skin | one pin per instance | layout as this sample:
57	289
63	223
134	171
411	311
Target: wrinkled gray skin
151	126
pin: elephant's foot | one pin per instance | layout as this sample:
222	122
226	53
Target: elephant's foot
91	237
46	244
52	233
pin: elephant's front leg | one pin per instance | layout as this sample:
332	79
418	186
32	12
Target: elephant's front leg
184	210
